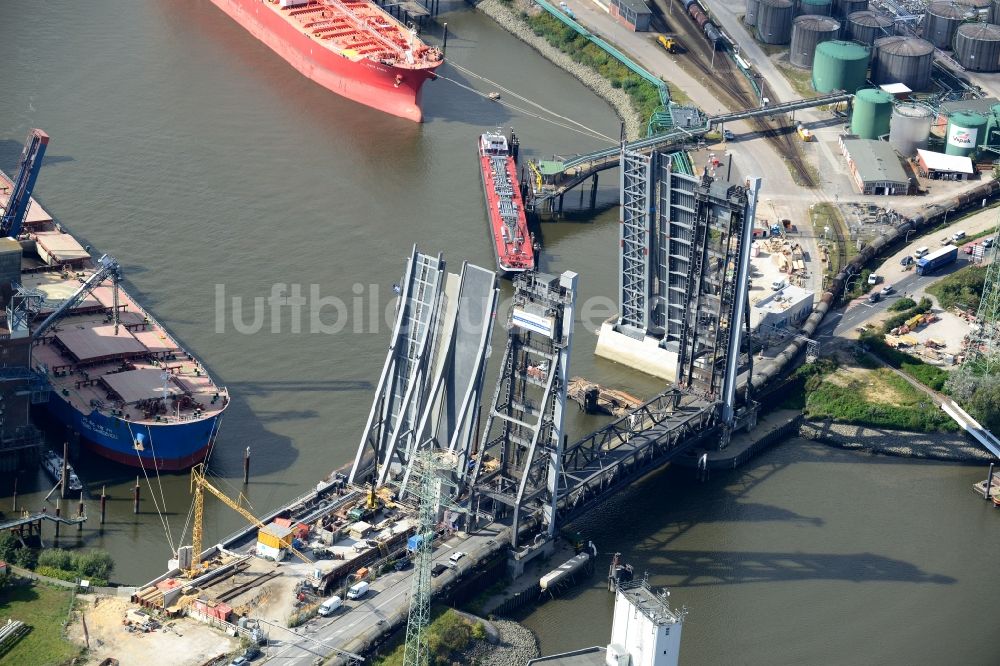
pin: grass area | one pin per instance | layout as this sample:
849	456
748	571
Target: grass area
643	94
929	375
874	397
45	608
963	288
800	79
907	313
448	633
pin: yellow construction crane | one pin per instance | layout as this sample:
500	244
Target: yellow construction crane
198	484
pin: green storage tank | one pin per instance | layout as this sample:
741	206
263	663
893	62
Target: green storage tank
816	7
840	65
966	132
872	111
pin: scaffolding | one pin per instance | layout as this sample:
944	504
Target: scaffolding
634	271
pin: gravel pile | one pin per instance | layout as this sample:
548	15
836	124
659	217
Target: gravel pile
517	645
932	446
616	97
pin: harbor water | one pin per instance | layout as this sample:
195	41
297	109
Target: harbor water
223	180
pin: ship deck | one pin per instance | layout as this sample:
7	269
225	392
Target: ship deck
121	374
359	29
514	252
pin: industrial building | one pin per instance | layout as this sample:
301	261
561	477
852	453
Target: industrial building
632	13
939	166
782	309
874	167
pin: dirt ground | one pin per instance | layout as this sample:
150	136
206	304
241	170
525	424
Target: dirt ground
188	642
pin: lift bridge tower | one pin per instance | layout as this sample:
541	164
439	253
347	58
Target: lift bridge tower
518	469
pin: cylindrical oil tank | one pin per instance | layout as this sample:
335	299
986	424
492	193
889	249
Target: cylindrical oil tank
844	8
807	33
966	131
994	15
750	18
910	127
866	26
973	4
941	21
872	110
977	47
840	65
905	60
774	21
814	8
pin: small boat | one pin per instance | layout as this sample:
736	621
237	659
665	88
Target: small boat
52	462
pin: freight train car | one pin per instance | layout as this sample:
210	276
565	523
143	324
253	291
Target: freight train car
709	29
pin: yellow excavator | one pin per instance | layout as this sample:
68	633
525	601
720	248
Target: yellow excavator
198	485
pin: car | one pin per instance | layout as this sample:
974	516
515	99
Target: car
240	661
987	243
874	297
873	278
438	570
921	251
402	563
906	261
957	236
251	652
455	557
886	290
728	135
970	248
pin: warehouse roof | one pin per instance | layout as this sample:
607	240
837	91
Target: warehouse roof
875	161
638	6
942	162
975	105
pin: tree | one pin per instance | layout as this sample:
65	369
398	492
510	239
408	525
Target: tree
26	558
985	403
8	544
95	564
56	558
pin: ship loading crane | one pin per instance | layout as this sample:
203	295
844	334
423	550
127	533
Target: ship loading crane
108	267
20	195
198	485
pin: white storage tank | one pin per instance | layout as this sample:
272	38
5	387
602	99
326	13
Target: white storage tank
910	127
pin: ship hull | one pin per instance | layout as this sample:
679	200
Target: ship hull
494	223
167	447
393	90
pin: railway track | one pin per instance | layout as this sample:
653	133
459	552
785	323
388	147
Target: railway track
725	78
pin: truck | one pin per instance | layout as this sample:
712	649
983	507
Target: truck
668	42
936	259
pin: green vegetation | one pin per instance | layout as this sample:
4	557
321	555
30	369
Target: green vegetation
980	395
44	608
304	614
963	288
94	565
929	375
801	79
827	215
899	319
875	398
902	304
804	380
448	633
643	94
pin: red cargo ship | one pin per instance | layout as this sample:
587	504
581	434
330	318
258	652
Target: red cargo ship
352	47
512	244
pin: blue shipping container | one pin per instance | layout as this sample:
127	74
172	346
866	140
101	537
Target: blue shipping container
414	542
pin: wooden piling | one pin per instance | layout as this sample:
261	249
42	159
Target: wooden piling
135	496
79	513
246	467
989	483
444	45
593	193
64	484
58	511
104	504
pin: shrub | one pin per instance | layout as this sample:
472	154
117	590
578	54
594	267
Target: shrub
902	304
963	287
8	544
56	558
60	574
479	631
94	564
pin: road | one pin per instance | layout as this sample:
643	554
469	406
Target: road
386	605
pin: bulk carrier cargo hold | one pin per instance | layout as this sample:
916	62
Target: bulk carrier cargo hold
123	383
352	47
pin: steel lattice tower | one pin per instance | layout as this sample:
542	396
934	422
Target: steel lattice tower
984	344
429	464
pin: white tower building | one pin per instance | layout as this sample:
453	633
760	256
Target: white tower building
645	631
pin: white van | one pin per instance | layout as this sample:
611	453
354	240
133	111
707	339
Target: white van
357	590
330	606
957	236
921	251
455	557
